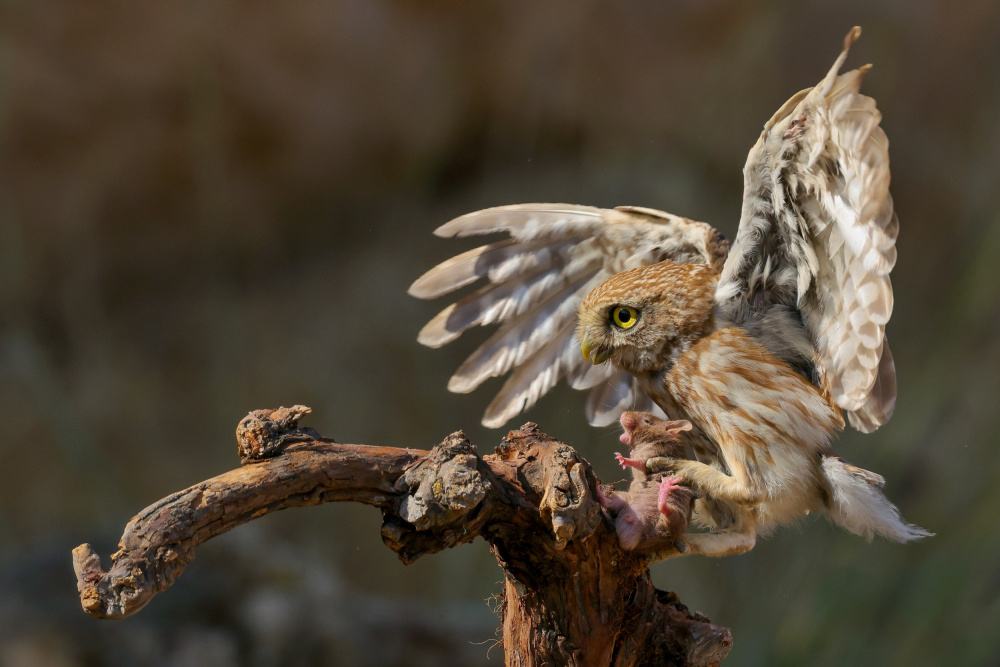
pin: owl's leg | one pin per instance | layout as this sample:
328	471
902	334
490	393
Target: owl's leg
714	514
715	544
721	543
706	479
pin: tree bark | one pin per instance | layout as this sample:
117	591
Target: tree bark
572	596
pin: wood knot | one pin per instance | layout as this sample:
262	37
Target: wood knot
265	433
443	486
567	503
518	443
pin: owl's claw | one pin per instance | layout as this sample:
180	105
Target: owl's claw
666	464
678	547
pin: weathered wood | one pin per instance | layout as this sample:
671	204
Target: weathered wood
572	596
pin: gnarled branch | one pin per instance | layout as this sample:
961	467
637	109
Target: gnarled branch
572	596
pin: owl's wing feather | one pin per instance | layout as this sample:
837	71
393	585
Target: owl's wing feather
502	299
620	392
533	378
817	234
520	339
535	280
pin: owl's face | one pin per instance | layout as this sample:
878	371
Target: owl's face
641	319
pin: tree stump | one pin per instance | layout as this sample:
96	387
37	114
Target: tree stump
571	595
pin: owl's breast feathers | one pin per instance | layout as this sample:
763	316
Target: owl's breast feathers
765	418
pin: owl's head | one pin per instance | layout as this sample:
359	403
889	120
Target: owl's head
640	319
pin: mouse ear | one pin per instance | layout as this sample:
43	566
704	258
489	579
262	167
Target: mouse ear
675	427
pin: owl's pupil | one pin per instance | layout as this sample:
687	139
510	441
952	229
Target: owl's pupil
624	316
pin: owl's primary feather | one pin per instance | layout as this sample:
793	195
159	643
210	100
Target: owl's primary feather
808	275
760	347
818	235
536	279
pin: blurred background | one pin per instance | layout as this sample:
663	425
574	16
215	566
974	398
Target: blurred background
211	207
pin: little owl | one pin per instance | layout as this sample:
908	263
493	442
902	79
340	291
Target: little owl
762	347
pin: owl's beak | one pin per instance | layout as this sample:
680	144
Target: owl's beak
593	353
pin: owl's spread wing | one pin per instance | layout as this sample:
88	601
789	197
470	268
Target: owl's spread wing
817	236
535	279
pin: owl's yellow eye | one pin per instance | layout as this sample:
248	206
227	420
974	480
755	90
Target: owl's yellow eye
624	317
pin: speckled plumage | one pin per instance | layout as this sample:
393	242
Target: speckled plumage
762	347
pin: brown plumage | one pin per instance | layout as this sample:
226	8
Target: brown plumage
762	347
766	426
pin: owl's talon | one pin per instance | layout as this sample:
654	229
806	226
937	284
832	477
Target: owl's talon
664	464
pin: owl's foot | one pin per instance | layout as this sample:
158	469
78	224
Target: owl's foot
626	462
678	547
721	543
705	479
666	484
667	464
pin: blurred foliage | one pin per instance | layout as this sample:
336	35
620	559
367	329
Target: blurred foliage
210	207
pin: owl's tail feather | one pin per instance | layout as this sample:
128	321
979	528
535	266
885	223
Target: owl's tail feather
858	505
